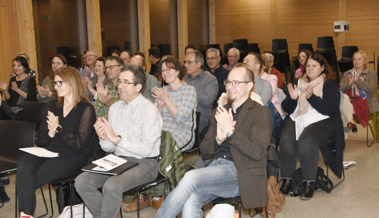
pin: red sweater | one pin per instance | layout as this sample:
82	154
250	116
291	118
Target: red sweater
276	72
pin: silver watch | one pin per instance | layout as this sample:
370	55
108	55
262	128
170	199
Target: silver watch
230	133
118	140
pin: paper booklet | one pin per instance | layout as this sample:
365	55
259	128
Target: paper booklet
40	152
109	165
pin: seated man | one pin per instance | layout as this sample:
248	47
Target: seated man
237	139
133	132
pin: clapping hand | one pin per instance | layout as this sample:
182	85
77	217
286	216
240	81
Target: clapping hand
293	91
309	91
52	123
43	91
225	122
104	130
3	85
14	86
160	94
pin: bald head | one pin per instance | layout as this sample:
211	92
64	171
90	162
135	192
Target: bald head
138	60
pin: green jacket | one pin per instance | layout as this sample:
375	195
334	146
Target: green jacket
171	166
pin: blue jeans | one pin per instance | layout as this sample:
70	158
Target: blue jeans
200	186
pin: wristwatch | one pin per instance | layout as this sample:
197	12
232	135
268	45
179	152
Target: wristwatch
230	133
118	140
58	129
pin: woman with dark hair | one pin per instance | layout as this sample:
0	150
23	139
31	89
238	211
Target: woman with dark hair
68	130
46	91
314	123
21	88
100	79
303	56
177	103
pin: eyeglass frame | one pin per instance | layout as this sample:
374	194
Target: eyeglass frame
190	62
112	66
211	58
226	82
232	56
167	70
125	83
53	83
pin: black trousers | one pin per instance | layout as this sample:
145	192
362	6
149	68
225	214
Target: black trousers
34	172
306	148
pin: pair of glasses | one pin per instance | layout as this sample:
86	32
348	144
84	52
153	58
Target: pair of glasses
234	83
110	67
189	62
211	58
58	83
88	56
167	70
124	83
232	56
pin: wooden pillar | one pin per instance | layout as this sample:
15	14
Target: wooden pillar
144	30
94	26
212	21
273	19
182	27
341	41
26	31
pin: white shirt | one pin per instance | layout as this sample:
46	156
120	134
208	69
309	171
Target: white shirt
139	123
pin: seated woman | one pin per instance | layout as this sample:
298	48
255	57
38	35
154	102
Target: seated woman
68	130
177	103
21	88
314	121
271	70
46	91
30	72
303	56
359	84
100	79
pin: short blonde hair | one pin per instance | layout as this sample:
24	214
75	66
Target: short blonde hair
269	57
364	56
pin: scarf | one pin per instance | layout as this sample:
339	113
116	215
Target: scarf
317	85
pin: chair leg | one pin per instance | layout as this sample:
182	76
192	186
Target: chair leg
15	204
138	204
121	211
70	186
44	201
51	202
369	145
339	183
239	209
253	215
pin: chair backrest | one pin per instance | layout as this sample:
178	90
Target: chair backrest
34	111
110	49
306	47
128	45
240	44
348	51
165	49
279	44
15	134
254	48
325	42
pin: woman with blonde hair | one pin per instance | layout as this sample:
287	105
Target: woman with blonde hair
68	130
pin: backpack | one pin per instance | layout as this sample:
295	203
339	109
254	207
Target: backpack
275	200
322	181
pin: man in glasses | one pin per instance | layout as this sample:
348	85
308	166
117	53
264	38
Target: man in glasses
90	60
205	84
108	95
236	147
213	61
133	132
233	57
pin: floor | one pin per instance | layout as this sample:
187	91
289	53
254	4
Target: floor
357	196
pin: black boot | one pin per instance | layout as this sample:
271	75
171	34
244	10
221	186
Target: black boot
286	186
308	190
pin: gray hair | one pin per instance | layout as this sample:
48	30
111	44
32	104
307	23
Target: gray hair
214	50
236	50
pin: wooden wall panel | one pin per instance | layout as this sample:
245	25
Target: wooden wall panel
243	19
5	44
363	17
160	29
198	25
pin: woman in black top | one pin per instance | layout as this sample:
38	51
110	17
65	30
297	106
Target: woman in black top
21	88
68	130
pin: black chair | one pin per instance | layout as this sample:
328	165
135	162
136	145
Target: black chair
306	47
66	52
165	49
254	48
197	140
128	45
281	56
112	48
35	112
242	46
325	43
325	47
346	62
227	46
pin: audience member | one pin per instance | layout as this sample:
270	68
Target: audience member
155	59
233	57
213	61
272	70
21	88
314	121
125	56
116	53
108	95
189	48
100	79
303	56
68	130
133	132
30	72
88	70
262	87
47	92
359	84
151	81
205	84
236	146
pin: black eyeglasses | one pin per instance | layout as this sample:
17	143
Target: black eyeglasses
124	83
189	62
234	83
58	83
167	70
110	67
211	58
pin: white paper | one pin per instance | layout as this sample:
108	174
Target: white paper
40	152
99	168
109	162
